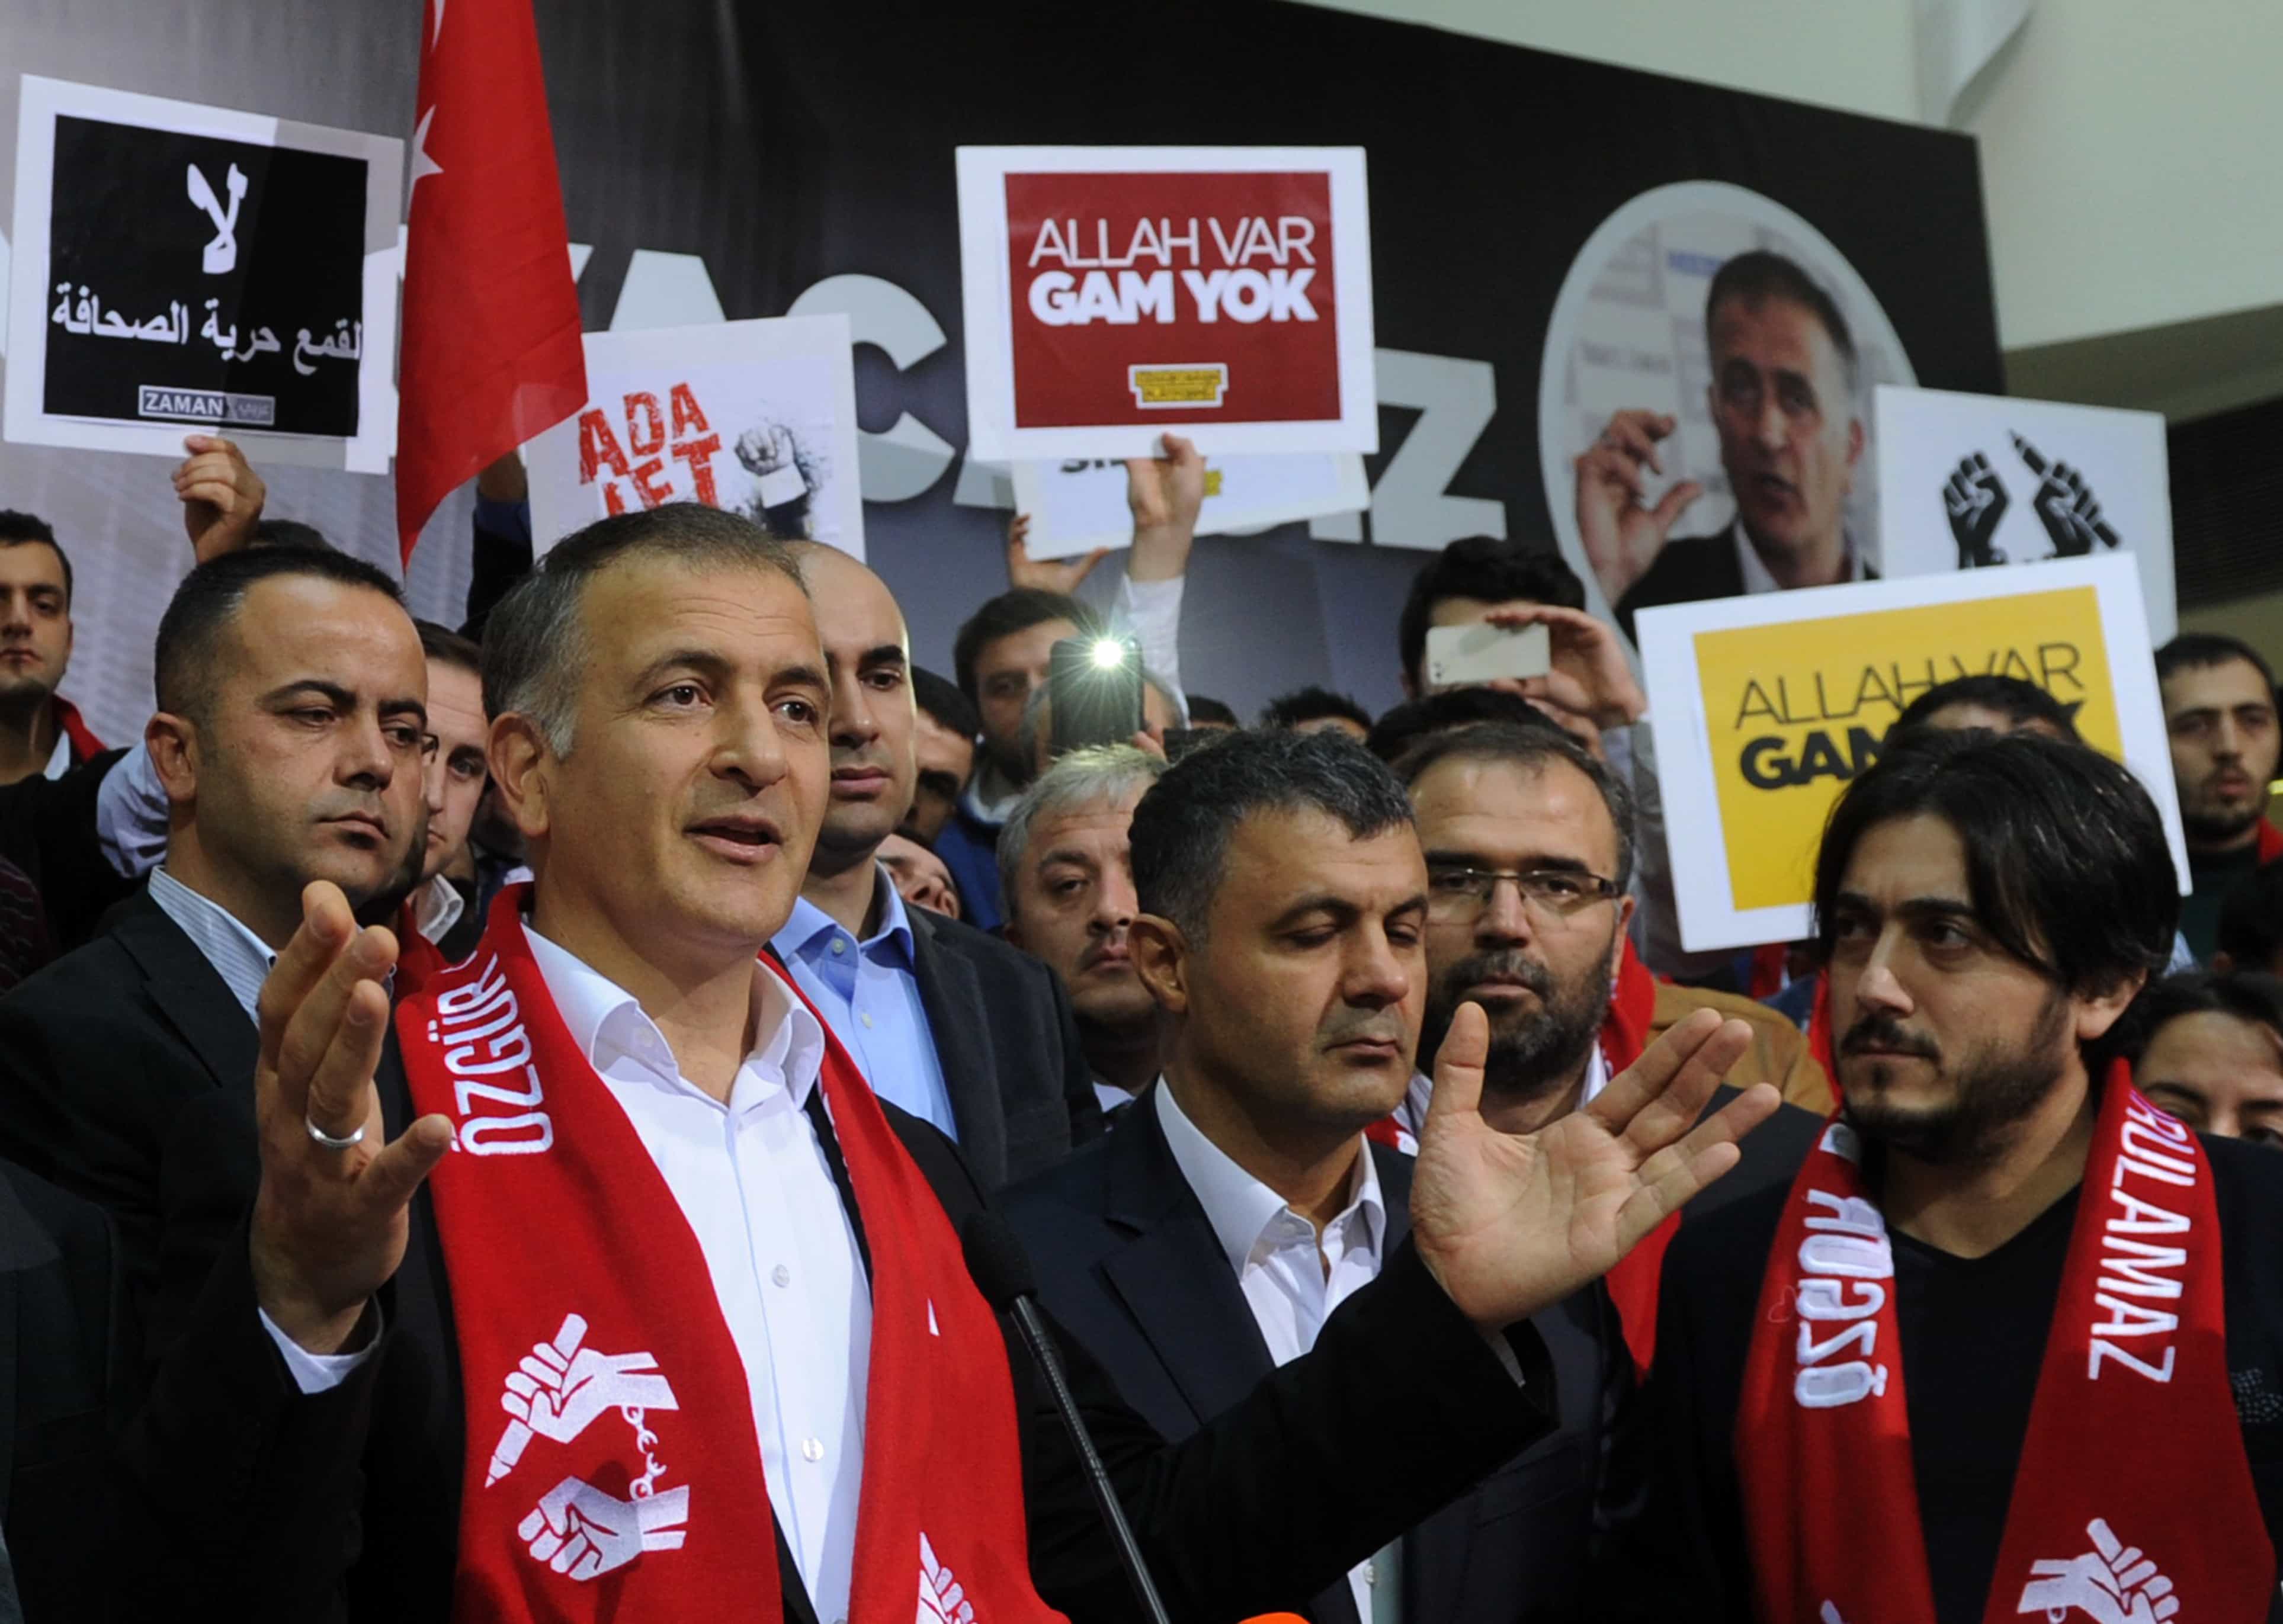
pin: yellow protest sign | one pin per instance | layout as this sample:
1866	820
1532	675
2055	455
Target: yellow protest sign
1764	708
1797	711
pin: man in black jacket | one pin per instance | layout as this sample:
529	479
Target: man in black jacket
1987	907
953	1025
291	694
660	736
1783	398
1239	1205
60	1323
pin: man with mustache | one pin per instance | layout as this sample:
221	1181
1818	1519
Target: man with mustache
2219	712
1066	870
2010	1341
1783	398
1280	934
1529	859
953	1025
682	1326
292	716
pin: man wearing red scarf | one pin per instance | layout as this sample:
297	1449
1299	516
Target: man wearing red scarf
2012	1342
595	1285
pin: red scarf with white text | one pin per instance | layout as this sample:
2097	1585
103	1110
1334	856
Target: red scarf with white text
2133	1500
612	1468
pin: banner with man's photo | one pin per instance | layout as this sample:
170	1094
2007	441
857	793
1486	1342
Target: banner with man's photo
1545	237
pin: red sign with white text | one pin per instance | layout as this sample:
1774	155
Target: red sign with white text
1149	297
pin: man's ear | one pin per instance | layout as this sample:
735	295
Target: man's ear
1161	959
2097	1013
172	744
1854	448
1410	685
1617	943
518	757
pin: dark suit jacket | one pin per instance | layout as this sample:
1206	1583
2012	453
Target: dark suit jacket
1689	570
109	1059
272	1505
59	1314
1129	1265
1009	1045
47	829
1690	1548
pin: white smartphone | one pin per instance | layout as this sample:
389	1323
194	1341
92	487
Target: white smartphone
1463	656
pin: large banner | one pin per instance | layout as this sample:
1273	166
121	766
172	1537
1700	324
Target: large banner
757	417
1972	482
184	267
727	163
1767	706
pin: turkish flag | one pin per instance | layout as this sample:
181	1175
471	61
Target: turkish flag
491	350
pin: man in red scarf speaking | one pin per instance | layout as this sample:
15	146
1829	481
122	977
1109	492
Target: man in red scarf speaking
2012	1342
593	1284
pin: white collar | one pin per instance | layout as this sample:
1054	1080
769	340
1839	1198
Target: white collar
238	956
608	1023
59	759
1757	579
1238	1206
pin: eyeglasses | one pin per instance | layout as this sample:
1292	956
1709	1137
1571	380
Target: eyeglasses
1459	895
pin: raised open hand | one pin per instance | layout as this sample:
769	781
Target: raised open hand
1621	533
330	1220
1166	495
1512	1223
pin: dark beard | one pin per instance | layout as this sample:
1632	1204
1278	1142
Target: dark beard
1532	1052
1999	1087
2208	832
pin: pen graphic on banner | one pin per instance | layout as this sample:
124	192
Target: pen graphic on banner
517	1437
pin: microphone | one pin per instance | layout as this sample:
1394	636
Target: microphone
1002	1272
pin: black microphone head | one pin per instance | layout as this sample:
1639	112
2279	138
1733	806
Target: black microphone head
996	1259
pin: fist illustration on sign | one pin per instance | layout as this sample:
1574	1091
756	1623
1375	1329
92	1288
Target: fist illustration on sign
1976	499
766	449
584	1531
2065	505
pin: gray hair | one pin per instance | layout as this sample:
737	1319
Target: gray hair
1099	773
1530	748
1182	828
535	643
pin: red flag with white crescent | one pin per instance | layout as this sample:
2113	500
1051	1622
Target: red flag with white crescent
491	350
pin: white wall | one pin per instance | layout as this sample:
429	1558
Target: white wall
2132	151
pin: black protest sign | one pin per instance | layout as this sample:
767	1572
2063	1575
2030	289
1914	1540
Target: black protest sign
197	279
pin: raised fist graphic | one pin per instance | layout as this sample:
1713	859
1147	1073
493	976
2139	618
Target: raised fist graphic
2065	505
557	1397
2114	1583
1976	499
583	1531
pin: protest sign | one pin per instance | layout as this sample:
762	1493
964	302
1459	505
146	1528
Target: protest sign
1080	504
1114	293
756	417
1767	706
179	267
1969	481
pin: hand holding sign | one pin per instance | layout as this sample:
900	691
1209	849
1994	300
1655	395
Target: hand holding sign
1621	533
1061	575
221	493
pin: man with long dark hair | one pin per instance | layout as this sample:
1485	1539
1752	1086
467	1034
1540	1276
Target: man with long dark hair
2013	1341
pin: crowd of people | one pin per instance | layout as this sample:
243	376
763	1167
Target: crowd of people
490	1118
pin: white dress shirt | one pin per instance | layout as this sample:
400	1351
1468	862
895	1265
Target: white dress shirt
436	907
238	956
1292	1277
754	1186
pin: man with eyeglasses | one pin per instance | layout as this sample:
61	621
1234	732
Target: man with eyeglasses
1529	859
